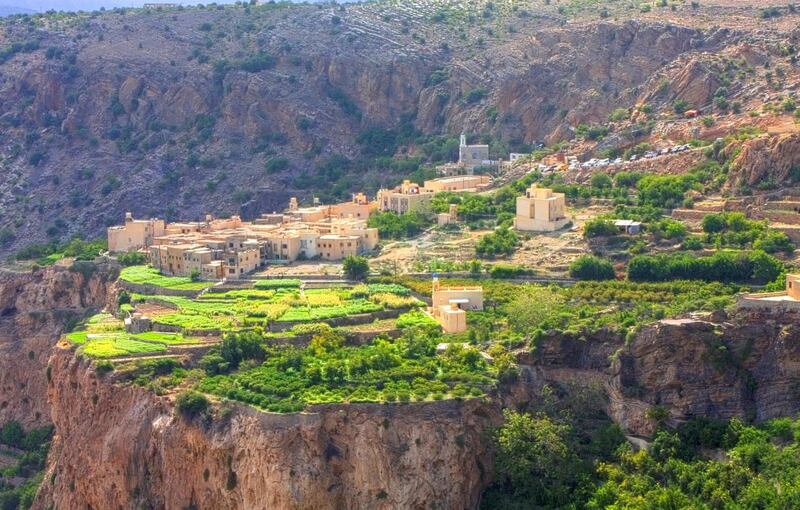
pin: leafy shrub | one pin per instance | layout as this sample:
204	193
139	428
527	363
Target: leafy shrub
589	267
257	63
276	165
398	226
502	241
599	227
192	403
475	95
775	242
507	271
591	132
132	258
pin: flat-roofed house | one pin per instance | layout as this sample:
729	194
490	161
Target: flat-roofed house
450	304
408	197
360	207
540	210
459	183
470	156
134	234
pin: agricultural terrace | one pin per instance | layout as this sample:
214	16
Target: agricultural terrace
273	304
146	275
181	322
104	336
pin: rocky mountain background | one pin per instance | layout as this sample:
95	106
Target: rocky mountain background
231	109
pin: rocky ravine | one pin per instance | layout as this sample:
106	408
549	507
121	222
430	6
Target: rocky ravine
123	447
34	308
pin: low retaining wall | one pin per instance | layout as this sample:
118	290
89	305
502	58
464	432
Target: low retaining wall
689	214
757	302
350	320
365	337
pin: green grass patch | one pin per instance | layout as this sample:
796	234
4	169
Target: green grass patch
146	275
120	345
287	283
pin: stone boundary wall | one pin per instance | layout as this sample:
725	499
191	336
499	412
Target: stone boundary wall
689	214
756	302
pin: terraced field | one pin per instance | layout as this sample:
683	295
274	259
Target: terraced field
179	322
104	336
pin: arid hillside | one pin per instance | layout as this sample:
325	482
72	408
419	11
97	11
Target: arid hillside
230	109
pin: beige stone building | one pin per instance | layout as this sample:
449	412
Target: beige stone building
360	207
451	216
540	210
134	234
460	183
407	197
450	304
775	302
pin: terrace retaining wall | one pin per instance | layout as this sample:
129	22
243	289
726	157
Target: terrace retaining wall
350	320
149	289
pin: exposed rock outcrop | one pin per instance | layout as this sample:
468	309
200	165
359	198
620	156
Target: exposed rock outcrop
123	447
747	368
766	158
34	307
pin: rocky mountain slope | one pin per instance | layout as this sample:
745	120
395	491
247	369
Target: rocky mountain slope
233	108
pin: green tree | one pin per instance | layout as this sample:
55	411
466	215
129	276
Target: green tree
535	459
599	227
355	267
191	403
524	317
502	241
602	181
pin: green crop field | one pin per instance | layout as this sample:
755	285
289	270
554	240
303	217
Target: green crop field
104	336
278	284
121	345
149	275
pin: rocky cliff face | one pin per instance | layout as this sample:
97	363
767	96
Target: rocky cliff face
34	308
123	447
748	367
768	158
